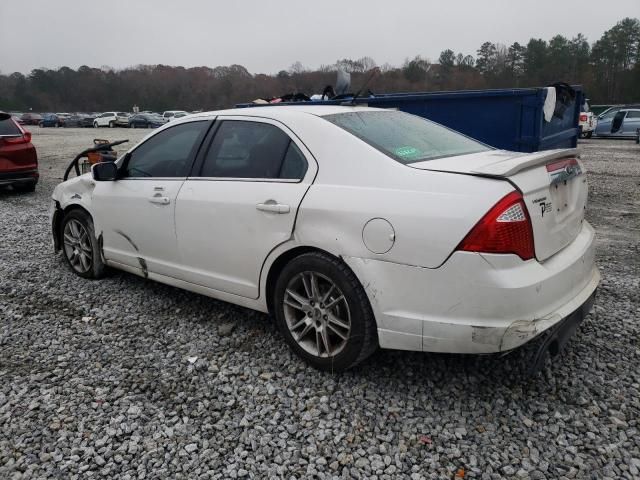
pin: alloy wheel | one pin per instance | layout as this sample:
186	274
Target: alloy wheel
317	314
77	246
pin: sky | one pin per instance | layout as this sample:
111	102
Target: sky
269	35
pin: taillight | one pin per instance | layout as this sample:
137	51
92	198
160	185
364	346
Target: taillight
583	118
24	138
506	228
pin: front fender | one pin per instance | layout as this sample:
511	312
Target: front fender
77	192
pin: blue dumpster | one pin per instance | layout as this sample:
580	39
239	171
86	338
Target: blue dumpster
510	119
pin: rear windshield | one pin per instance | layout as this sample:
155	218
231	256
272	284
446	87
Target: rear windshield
7	127
405	138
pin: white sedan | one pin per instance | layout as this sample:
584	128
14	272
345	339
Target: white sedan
356	228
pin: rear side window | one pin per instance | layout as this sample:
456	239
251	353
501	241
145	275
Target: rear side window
405	138
7	127
243	149
166	154
633	114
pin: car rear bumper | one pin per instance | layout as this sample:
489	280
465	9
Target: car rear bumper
14	178
478	303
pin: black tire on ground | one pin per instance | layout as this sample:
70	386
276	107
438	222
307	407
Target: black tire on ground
25	187
588	134
112	124
95	124
362	339
132	125
97	267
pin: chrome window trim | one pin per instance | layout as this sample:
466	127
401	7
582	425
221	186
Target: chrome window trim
235	179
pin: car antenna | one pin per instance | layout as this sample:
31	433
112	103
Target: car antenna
374	72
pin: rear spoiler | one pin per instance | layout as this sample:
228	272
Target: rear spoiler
513	165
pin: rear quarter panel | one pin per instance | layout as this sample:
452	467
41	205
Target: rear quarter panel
430	212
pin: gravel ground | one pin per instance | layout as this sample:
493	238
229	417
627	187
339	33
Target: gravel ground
125	378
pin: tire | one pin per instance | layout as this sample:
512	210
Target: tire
338	286
133	125
86	244
148	125
112	124
95	124
57	125
41	125
25	187
588	134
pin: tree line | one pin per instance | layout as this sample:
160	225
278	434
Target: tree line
609	70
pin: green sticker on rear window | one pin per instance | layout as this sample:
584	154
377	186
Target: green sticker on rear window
407	152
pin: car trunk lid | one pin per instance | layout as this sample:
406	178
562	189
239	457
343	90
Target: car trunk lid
553	185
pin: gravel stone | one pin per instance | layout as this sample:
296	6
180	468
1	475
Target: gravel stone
125	378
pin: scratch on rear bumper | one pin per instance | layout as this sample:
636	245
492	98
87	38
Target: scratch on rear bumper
521	331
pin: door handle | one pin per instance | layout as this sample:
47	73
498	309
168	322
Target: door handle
159	199
272	206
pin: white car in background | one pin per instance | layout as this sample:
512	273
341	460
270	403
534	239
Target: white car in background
112	119
357	228
170	114
106	119
588	122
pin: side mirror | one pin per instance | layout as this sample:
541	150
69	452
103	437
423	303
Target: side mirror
104	172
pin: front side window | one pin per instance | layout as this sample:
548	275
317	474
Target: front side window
166	154
243	149
405	138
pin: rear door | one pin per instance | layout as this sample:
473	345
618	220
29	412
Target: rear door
241	203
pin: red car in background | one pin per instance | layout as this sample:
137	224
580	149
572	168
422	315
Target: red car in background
30	119
18	158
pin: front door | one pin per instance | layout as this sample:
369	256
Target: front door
241	203
135	214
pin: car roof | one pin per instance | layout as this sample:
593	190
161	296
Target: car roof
287	111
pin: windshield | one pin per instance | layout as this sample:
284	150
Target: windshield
405	138
610	113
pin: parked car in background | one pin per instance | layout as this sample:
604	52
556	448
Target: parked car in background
50	120
122	119
356	227
30	119
588	121
170	114
62	117
79	120
18	157
106	119
180	115
146	120
618	122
